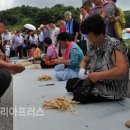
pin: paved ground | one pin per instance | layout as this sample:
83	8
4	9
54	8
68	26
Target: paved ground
6	121
128	93
6	106
29	97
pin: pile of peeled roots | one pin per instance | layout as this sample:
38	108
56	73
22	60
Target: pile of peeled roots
60	103
34	67
44	78
25	63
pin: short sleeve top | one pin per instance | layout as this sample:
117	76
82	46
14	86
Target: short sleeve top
101	60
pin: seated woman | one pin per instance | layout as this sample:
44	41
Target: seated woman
50	56
107	77
36	54
69	65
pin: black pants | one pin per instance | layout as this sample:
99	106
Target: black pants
75	85
25	52
59	52
19	50
5	79
83	46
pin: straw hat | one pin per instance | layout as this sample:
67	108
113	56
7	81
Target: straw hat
39	29
41	26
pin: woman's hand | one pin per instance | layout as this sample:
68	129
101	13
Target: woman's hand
57	61
93	76
112	18
16	68
43	56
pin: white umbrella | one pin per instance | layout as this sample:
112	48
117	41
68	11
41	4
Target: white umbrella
30	27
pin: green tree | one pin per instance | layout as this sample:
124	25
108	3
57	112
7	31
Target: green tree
18	16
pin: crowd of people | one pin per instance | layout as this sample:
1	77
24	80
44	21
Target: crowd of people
22	42
90	55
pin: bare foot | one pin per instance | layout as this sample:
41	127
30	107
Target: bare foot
127	124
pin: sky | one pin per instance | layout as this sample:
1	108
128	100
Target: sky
7	4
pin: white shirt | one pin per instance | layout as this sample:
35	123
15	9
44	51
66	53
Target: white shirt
14	41
54	33
7	50
41	36
34	40
19	40
5	37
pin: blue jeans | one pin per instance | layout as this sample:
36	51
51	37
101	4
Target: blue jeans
63	74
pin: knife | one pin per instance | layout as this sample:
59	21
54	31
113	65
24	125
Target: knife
47	84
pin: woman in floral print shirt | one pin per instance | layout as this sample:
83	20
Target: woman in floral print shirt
107	63
108	10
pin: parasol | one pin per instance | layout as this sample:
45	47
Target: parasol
30	27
